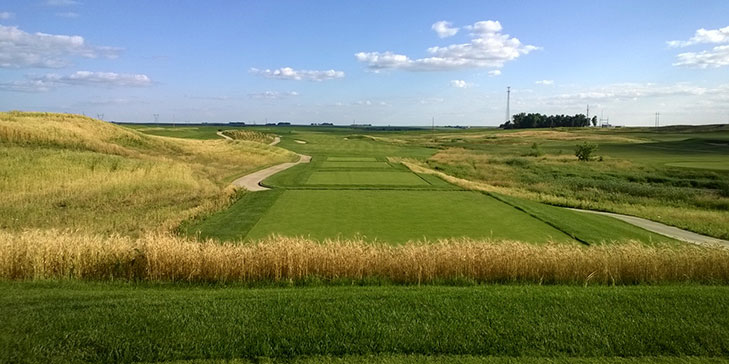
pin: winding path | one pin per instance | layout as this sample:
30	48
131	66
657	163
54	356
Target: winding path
252	182
220	134
663	229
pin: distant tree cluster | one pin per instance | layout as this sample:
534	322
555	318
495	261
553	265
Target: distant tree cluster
536	120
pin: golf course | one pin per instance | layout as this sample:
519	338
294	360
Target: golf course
131	243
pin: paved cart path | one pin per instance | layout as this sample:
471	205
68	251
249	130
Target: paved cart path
663	229
252	182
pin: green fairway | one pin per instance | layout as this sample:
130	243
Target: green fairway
365	179
354	164
93	322
398	216
351	159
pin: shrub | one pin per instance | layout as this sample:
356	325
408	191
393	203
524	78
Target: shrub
585	150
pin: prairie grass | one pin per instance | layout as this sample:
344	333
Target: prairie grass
68	255
250	135
70	171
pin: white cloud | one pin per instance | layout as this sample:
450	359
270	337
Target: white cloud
702	35
714	58
631	91
545	82
68	14
488	48
19	49
62	2
288	73
494	73
79	78
5	15
460	84
272	95
444	29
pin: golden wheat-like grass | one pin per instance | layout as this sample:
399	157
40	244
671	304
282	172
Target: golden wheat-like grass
59	255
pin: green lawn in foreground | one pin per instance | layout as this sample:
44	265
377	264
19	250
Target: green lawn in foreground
107	322
365	178
464	359
398	216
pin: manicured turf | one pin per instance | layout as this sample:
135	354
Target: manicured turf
721	166
585	227
330	164
234	222
88	322
398	216
365	178
464	359
351	159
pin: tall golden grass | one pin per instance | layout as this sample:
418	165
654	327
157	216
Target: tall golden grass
70	171
65	255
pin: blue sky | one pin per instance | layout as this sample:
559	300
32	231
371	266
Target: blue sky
385	63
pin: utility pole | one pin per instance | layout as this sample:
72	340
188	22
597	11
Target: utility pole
100	116
508	97
588	112
433	128
658	116
156	118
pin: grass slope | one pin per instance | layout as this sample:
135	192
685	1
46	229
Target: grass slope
69	171
51	322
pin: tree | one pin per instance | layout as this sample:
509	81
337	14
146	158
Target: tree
594	120
584	151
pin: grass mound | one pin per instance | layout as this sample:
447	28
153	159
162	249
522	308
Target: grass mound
71	171
250	135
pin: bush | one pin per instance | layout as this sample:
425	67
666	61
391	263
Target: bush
585	150
535	151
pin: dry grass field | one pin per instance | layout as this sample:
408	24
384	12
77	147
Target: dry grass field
59	255
69	171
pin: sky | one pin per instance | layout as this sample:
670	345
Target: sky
367	62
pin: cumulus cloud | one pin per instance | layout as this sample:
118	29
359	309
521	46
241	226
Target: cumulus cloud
79	78
288	73
19	49
545	82
714	58
494	73
702	35
444	29
488	48
460	84
5	15
272	95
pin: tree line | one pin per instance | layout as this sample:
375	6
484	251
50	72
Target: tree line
536	120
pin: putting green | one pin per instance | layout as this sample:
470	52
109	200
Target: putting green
374	165
399	216
361	178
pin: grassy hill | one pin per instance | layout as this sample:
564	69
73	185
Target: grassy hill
71	171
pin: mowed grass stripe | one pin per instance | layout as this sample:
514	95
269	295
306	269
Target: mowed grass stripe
351	159
399	216
330	164
369	178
